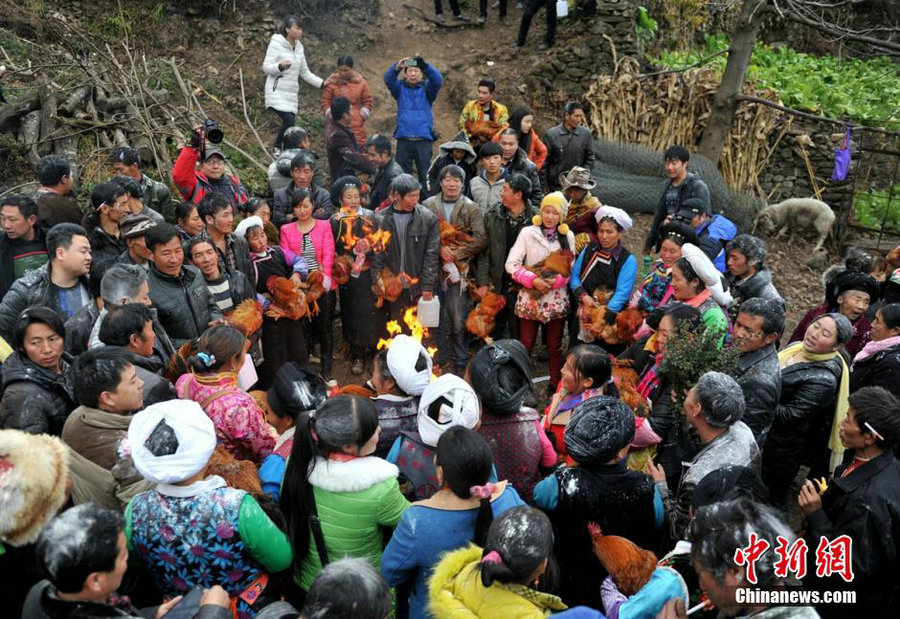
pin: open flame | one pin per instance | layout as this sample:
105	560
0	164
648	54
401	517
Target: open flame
378	239
415	328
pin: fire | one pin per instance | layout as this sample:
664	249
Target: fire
416	330
378	239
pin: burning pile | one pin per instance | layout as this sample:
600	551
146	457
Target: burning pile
416	330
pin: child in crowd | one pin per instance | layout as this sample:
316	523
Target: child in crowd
397	410
333	475
459	513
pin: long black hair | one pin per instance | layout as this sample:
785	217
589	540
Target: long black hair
515	122
593	362
466	460
343	420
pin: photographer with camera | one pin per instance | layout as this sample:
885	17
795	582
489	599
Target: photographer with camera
210	176
415	85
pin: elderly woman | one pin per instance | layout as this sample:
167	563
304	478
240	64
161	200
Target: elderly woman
550	306
814	387
748	277
576	186
878	363
284	64
37	387
697	282
713	407
862	501
193	530
605	266
347	83
656	288
848	294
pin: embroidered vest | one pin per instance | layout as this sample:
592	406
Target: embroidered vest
190	541
605	273
394	417
416	463
516	446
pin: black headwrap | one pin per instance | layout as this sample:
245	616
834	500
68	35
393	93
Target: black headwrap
599	428
851	279
501	392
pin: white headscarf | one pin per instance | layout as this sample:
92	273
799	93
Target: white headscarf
196	436
465	411
707	272
246	224
402	356
621	217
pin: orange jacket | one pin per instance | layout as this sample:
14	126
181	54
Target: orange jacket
356	89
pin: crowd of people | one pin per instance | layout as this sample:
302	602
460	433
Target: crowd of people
173	434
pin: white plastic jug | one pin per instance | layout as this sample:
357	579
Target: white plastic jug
429	312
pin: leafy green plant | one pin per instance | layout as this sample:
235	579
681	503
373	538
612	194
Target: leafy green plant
864	91
877	206
690	353
645	29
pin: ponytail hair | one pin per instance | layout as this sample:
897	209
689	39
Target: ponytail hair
339	421
217	346
518	542
466	460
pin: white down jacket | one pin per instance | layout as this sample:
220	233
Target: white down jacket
282	86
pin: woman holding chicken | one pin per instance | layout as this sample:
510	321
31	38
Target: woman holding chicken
353	228
311	239
540	261
604	266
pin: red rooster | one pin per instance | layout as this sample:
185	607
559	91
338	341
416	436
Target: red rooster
556	263
287	300
480	321
247	317
628	321
629	565
340	270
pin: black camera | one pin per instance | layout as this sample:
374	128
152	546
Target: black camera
212	131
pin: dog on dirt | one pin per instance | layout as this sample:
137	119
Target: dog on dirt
795	215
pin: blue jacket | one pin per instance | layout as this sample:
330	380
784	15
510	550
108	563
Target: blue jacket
414	118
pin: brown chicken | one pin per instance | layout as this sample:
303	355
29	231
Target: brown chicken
480	321
240	474
315	288
358	390
453	238
628	321
340	270
287	300
247	317
556	263
629	565
482	130
626	380
391	288
178	364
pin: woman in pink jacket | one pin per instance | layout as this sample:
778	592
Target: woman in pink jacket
312	240
353	227
240	424
544	299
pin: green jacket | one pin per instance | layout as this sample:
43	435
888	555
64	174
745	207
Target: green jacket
158	197
354	499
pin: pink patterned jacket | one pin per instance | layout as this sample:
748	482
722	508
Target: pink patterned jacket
240	424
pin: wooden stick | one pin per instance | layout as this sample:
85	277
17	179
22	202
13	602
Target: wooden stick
247	116
834	121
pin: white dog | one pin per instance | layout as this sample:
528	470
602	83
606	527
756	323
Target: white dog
795	214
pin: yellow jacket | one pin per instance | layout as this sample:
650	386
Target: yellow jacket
5	350
455	592
473	111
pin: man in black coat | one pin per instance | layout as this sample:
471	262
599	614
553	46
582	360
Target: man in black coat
178	291
302	177
23	246
516	162
682	185
568	145
413	249
61	284
378	150
756	330
344	155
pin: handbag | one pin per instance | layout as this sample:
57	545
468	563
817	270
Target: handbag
562	8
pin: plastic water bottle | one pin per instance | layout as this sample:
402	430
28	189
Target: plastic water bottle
429	312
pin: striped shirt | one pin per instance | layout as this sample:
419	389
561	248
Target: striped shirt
220	291
309	253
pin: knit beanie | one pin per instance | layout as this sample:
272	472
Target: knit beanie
558	202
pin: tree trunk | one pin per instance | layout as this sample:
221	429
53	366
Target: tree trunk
725	103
